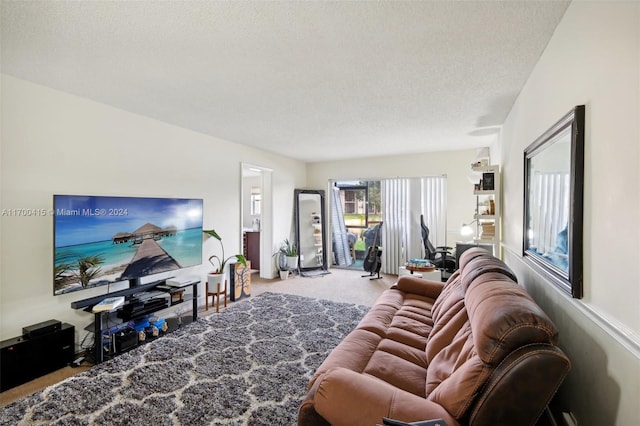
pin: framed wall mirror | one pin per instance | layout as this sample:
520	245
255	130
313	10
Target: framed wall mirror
311	230
553	202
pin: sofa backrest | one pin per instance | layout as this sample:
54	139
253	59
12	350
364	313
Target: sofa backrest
448	315
450	304
483	317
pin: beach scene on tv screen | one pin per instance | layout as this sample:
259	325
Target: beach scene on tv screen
101	240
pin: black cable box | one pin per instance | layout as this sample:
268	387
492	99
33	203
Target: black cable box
41	328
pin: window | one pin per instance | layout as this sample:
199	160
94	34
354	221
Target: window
255	201
350	206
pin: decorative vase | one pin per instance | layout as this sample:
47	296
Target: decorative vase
282	261
213	280
216	288
284	275
292	262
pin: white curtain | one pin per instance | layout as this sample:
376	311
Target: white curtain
549	208
396	217
434	208
403	201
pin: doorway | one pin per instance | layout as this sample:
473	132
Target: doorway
357	214
256	218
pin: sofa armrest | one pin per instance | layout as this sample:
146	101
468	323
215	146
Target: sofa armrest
346	398
415	285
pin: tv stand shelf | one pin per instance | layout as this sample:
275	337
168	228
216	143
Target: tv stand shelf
101	319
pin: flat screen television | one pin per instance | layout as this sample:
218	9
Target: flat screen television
100	240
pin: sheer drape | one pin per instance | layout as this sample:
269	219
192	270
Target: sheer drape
434	209
549	208
396	197
403	201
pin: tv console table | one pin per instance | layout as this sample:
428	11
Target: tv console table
101	319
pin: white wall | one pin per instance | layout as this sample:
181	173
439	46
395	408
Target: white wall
456	165
54	142
592	59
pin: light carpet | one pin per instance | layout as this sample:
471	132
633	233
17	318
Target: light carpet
248	365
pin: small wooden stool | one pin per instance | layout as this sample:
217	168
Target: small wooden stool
216	296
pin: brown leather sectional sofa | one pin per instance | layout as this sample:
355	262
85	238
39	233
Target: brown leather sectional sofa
474	351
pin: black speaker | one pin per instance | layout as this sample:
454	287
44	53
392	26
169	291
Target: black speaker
23	359
41	328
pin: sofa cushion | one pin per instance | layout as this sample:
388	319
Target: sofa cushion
397	326
345	398
456	374
442	302
415	285
378	319
405	317
354	353
399	358
399	366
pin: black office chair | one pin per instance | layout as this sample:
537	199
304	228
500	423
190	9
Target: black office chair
440	256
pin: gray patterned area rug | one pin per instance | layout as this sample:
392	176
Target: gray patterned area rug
248	365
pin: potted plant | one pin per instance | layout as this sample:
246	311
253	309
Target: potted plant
289	250
217	274
284	274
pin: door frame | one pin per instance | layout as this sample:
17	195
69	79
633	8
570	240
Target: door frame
266	215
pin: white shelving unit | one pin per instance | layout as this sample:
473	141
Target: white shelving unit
316	230
488	209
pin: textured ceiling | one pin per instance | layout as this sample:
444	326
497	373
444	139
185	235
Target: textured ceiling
313	80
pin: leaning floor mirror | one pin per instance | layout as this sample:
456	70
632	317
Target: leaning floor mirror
311	237
553	202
